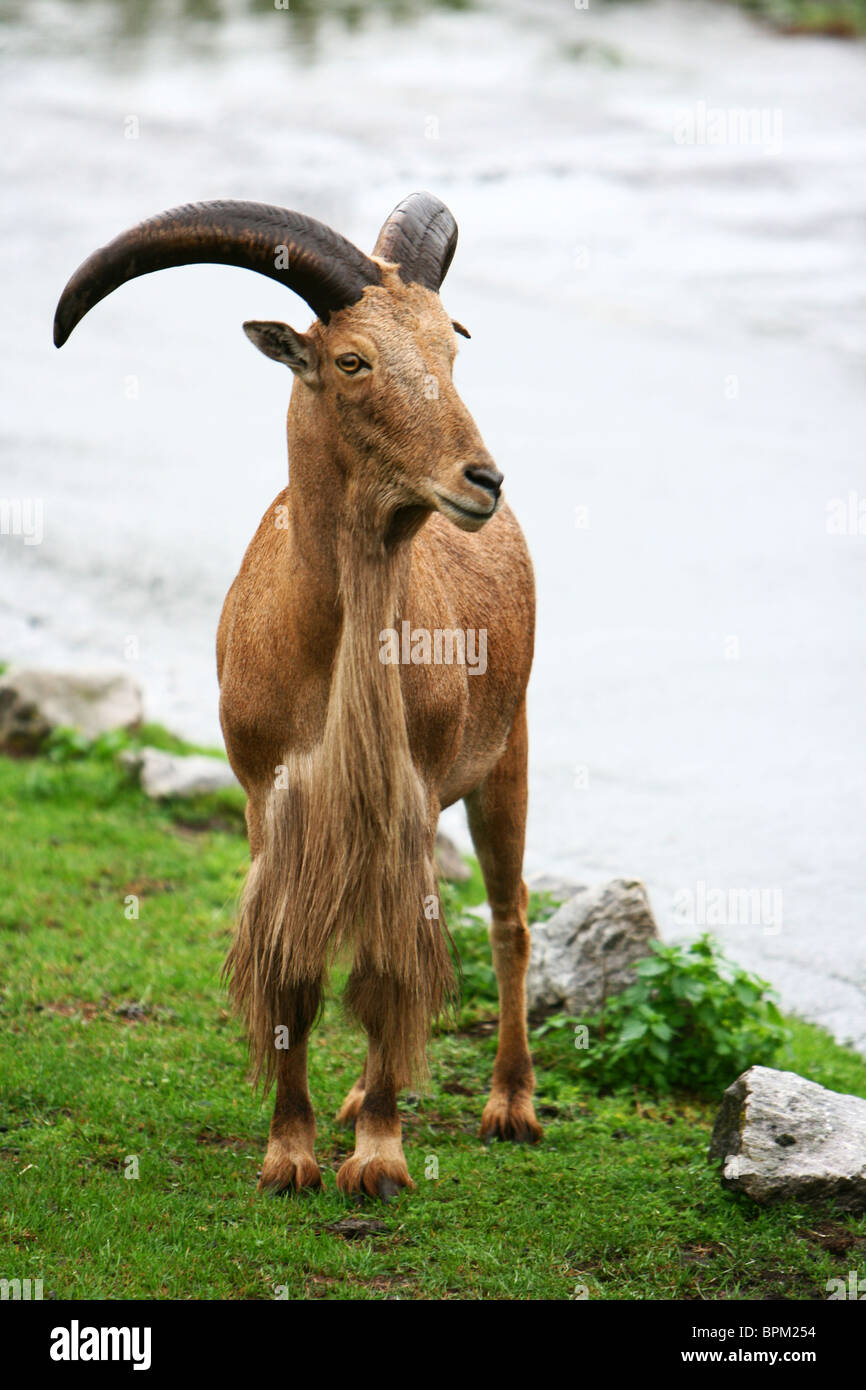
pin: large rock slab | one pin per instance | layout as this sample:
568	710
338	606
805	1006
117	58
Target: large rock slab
171	774
588	948
779	1136
33	702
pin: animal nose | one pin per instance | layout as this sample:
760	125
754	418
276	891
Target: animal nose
485	476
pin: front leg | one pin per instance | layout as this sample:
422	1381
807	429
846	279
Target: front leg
497	820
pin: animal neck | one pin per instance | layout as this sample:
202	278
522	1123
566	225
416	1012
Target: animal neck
355	548
357	557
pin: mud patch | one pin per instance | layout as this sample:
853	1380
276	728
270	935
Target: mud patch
358	1228
835	1238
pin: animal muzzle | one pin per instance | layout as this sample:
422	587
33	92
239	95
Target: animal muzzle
486	477
475	499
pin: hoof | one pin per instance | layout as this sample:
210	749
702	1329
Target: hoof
512	1121
374	1177
284	1174
387	1188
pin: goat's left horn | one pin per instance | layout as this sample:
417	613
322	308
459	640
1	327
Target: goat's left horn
297	251
421	237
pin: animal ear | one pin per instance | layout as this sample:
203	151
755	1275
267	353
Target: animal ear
283	344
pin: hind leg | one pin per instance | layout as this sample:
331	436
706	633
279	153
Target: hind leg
378	1165
290	1161
497	820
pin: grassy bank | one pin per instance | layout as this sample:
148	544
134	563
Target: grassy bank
119	1055
836	18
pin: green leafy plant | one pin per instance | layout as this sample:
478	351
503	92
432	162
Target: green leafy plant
554	1023
66	745
542	906
471	949
471	939
693	1020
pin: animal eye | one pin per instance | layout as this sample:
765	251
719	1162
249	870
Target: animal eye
350	363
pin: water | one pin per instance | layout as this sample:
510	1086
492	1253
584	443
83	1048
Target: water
666	361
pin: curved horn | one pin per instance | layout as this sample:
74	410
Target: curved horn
297	251
421	236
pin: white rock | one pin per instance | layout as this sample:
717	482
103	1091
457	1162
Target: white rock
170	774
33	702
587	949
779	1135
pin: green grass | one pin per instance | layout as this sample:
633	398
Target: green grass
844	19
117	1044
838	18
835	18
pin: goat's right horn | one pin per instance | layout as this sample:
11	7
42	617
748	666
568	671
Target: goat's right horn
304	255
421	237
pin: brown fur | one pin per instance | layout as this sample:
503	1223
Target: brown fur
342	855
